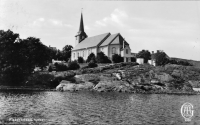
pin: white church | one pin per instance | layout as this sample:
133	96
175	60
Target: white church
108	43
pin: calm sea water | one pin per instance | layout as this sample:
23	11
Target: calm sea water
44	107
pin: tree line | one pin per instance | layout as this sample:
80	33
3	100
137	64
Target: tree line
160	58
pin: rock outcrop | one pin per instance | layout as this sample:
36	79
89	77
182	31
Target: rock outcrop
68	86
135	78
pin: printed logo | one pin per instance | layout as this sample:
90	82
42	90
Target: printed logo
187	111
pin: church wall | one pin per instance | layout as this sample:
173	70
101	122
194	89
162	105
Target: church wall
117	48
94	50
83	53
80	53
104	49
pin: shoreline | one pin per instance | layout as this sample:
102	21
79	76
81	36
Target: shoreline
134	92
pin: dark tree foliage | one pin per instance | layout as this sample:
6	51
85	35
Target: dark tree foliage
60	67
91	57
133	59
92	64
145	54
73	65
80	60
179	62
102	58
161	58
117	58
66	52
20	56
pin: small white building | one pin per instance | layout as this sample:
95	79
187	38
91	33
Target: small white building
57	61
140	60
152	62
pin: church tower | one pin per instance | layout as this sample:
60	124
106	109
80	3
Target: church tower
81	35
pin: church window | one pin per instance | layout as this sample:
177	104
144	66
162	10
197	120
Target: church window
113	50
126	51
74	55
83	53
78	54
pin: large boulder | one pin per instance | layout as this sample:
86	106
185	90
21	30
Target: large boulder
84	86
120	86
65	86
68	86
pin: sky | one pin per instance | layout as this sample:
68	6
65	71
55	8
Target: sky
171	26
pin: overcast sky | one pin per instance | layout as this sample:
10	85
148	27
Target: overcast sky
172	26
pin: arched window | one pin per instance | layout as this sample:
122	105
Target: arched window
83	53
126	51
74	55
113	50
77	54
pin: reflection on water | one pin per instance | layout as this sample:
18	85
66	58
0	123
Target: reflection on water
94	108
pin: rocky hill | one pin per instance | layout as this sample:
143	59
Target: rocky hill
130	77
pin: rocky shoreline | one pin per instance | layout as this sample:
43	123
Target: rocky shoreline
132	78
45	89
121	77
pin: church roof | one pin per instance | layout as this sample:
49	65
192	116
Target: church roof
109	39
91	41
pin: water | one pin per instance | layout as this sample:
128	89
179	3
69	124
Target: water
45	107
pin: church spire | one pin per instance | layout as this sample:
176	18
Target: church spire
81	28
81	35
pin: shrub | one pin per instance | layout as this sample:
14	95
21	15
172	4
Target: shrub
80	60
61	67
73	65
161	58
133	59
92	64
91	57
117	58
102	58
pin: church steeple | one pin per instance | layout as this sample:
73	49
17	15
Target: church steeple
81	35
81	28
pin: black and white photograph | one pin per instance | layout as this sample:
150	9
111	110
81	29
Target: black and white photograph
100	62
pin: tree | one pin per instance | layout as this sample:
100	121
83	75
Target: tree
91	57
145	54
80	60
66	51
102	58
10	66
73	65
20	56
161	58
92	64
35	52
117	58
